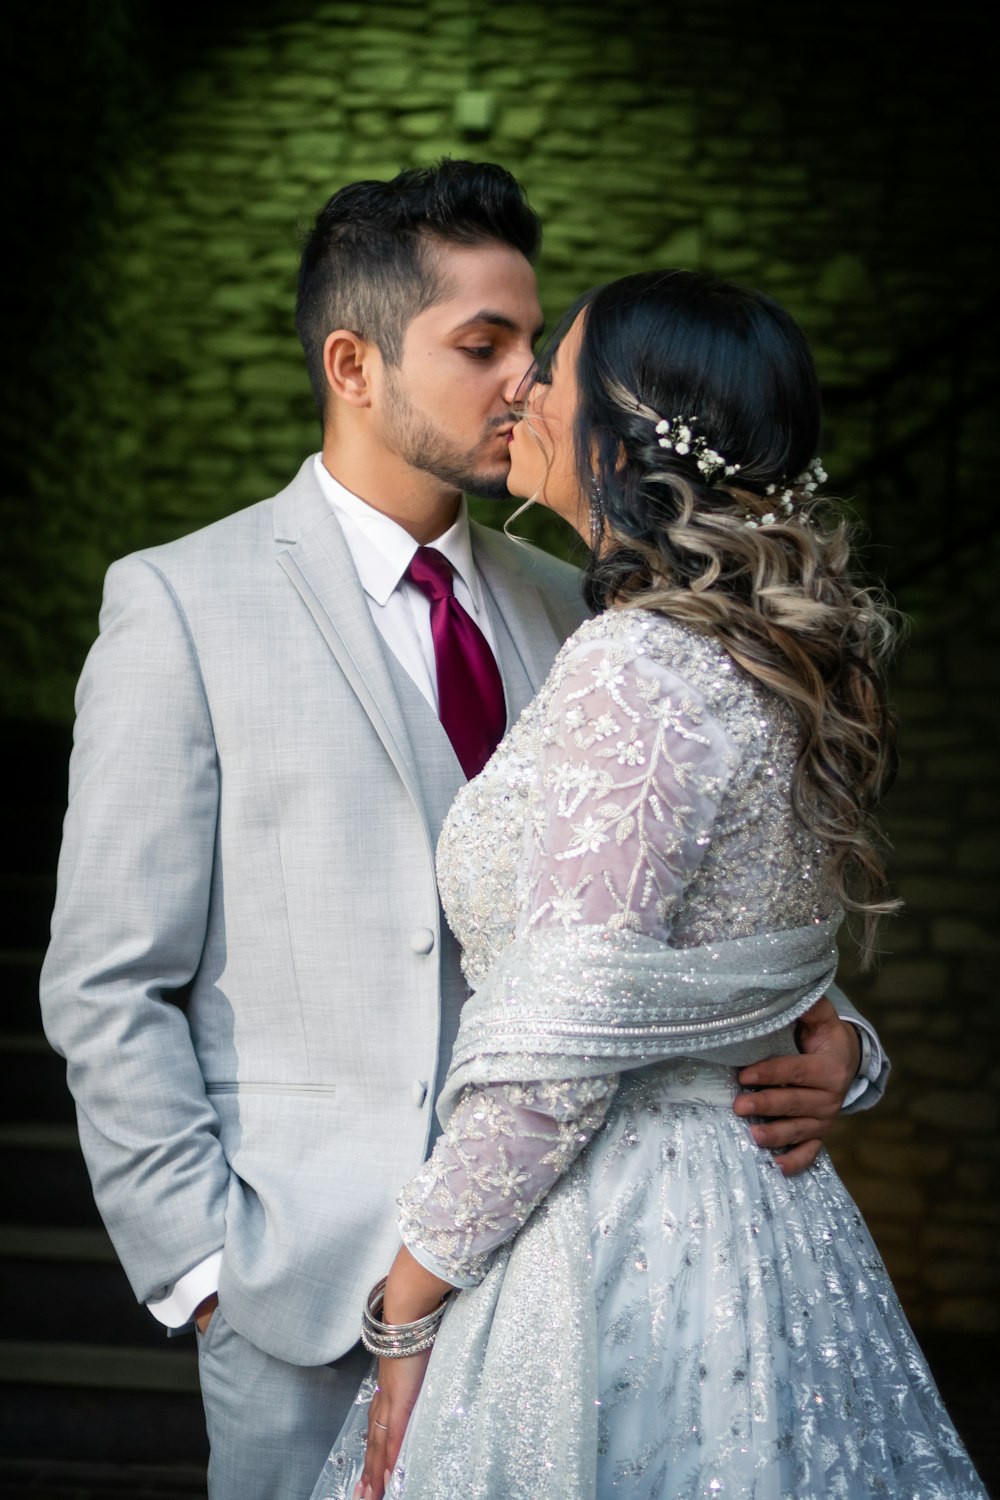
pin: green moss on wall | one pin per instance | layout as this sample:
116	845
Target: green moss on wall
173	154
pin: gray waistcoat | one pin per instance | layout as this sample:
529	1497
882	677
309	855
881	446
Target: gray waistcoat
439	777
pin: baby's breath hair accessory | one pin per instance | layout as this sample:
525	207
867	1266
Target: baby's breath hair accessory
679	436
807	483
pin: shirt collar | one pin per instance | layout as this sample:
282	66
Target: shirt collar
382	550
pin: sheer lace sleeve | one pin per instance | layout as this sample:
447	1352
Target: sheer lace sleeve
505	1146
628	781
632	770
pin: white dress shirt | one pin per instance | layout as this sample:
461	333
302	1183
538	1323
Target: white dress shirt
382	551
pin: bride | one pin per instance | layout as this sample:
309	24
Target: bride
647	881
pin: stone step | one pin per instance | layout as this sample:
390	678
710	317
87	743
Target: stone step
45	1179
92	1404
37	1243
26	902
31	832
45	1479
67	1287
32	1081
103	1367
19	970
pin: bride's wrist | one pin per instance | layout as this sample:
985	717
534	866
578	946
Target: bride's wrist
406	1304
411	1292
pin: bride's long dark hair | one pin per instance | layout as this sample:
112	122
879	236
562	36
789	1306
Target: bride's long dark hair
778	594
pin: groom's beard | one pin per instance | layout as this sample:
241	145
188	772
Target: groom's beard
420	444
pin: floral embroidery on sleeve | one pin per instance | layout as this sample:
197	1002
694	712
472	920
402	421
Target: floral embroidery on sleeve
505	1147
631	775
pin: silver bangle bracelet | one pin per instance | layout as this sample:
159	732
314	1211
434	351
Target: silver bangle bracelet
397	1340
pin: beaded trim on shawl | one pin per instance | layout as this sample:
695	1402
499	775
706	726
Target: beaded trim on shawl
575	1003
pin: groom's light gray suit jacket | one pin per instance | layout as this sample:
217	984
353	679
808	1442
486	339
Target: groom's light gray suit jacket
249	969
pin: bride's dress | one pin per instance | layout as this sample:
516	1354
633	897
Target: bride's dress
640	912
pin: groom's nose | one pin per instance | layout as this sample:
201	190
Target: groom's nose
516	375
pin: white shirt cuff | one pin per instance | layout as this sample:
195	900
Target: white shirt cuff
872	1071
177	1309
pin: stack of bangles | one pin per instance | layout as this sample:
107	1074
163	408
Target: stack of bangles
397	1340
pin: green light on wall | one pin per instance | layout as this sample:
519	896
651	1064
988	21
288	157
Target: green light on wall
474	111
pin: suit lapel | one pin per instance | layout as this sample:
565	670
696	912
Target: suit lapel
317	561
535	634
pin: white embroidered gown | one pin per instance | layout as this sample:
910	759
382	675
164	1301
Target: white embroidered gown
651	1310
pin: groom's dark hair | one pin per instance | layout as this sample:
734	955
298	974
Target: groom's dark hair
365	263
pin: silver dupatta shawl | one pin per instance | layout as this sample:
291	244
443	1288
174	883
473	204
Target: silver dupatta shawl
511	1388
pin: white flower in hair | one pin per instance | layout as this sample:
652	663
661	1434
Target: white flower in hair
678	436
812	476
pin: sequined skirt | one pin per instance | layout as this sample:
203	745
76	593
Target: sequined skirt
745	1339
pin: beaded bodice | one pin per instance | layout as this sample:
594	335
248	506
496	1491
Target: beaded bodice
647	786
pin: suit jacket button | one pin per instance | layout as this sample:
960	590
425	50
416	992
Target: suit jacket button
418	1092
422	940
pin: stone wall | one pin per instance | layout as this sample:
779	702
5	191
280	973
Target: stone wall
923	1167
172	156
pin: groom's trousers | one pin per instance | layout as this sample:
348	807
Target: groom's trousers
270	1424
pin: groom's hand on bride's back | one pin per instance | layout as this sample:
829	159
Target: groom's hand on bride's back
797	1099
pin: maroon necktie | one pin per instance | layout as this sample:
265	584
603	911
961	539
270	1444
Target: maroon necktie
470	693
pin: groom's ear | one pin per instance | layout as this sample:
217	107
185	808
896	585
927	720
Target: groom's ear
352	365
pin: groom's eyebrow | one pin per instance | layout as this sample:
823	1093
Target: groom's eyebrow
495	320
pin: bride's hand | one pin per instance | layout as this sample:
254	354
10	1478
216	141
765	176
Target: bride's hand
399	1382
411	1292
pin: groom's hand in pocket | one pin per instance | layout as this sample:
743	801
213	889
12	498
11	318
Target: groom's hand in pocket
797	1099
203	1312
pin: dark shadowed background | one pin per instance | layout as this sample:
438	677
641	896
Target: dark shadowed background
161	161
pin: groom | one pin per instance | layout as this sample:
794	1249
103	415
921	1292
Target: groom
249	974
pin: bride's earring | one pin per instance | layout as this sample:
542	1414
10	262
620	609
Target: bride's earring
597	515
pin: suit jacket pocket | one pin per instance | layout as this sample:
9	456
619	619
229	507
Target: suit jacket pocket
253	1087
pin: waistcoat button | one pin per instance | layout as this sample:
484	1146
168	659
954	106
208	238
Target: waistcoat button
422	940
